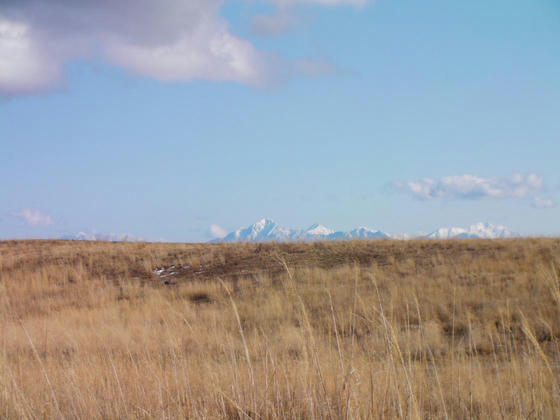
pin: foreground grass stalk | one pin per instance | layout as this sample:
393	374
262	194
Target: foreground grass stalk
311	338
45	374
245	347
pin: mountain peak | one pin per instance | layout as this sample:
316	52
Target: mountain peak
317	229
261	231
264	222
364	232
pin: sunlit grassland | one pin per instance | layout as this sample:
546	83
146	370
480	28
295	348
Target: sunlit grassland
394	329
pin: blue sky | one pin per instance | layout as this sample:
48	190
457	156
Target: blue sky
403	116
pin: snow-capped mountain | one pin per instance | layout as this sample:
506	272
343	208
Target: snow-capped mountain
366	233
478	230
267	230
318	230
446	233
262	231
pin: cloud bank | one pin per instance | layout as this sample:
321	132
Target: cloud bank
468	186
169	41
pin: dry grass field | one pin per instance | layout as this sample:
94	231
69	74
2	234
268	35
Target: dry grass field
382	329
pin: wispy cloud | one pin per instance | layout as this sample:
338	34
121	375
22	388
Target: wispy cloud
358	3
274	24
217	231
166	40
316	67
543	203
468	186
33	217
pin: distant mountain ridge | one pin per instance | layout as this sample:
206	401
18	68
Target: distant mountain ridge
267	230
478	230
111	237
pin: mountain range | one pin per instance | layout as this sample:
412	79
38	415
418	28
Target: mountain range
267	230
478	230
111	237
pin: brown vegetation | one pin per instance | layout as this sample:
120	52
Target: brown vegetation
418	329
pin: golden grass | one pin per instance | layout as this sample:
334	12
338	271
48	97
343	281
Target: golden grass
383	329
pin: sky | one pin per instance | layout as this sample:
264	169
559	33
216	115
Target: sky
181	120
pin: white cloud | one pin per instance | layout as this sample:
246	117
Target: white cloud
207	52
543	203
24	67
217	231
33	217
471	187
171	41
